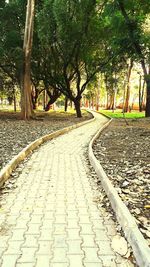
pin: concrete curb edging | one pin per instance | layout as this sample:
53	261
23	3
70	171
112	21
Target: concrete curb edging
135	238
7	170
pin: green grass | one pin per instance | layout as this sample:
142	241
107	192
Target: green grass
119	115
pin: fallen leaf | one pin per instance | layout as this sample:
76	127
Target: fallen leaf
119	245
147	206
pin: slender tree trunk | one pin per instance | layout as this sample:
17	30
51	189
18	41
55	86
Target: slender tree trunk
114	101
127	97
78	108
140	94
124	94
14	98
87	103
44	100
98	95
71	103
147	111
35	102
66	103
97	103
107	103
34	97
126	105
92	102
26	100
143	101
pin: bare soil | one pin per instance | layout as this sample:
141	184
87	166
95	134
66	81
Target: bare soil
124	152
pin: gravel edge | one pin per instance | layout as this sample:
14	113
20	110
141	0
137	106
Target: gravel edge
8	169
126	220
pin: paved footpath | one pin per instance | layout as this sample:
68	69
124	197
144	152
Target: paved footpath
49	219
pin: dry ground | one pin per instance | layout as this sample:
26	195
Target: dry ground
124	152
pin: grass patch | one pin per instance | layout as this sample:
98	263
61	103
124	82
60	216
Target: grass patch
119	115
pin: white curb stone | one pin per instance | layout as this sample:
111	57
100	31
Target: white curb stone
124	217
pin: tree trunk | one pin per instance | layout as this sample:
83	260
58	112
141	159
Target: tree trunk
112	102
66	103
98	95
143	100
92	102
50	102
140	94
127	97
126	105
34	96
147	111
124	93
53	97
44	100
14	98
107	99
138	49
26	100
35	102
77	108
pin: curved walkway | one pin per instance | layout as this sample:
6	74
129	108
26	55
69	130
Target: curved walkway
50	219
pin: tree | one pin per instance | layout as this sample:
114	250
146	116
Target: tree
26	100
134	15
12	15
127	95
11	42
141	93
73	45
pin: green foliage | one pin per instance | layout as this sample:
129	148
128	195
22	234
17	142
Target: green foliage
11	42
73	41
119	115
70	34
121	41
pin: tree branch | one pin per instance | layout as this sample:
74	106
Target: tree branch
131	33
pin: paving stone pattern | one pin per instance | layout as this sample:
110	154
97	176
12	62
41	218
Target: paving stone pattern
50	219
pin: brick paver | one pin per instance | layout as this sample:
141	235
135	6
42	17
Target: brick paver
50	218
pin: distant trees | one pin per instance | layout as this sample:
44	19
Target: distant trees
134	16
133	39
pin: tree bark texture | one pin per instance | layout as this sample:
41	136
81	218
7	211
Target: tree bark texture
14	99
140	94
53	95
50	102
66	103
26	99
147	111
78	108
127	97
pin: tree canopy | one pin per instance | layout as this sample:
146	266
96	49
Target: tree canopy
74	40
71	36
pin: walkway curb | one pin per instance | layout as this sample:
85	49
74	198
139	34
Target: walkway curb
8	169
135	238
